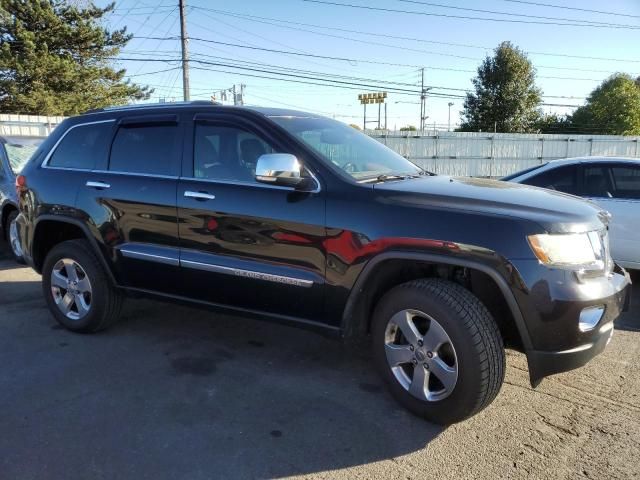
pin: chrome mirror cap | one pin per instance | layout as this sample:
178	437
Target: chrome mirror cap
279	169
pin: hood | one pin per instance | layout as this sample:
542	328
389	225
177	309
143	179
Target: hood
555	212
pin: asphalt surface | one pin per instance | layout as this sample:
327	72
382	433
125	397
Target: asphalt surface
175	392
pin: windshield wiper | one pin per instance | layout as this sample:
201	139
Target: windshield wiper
384	177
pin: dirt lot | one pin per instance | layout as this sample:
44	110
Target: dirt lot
174	392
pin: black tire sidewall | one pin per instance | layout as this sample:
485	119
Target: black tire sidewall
463	399
99	288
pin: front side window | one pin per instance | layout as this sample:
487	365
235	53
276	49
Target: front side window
223	152
82	146
343	147
627	182
562	179
146	149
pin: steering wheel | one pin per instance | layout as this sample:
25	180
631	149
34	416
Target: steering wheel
350	167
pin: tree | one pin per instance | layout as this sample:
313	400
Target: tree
506	97
56	59
409	128
613	108
553	123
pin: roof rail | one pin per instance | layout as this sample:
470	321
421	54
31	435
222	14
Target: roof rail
136	106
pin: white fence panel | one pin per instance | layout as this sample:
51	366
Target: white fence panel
27	125
498	154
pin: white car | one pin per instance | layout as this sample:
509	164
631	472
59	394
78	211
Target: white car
611	182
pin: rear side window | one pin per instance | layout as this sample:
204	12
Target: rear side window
562	179
627	182
596	182
148	149
82	146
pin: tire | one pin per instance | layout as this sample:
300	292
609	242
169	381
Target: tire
92	303
12	239
456	344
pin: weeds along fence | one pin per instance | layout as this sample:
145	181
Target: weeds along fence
499	154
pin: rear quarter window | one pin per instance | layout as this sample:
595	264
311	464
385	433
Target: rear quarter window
627	181
82	146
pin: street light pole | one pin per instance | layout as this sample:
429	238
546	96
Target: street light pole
449	122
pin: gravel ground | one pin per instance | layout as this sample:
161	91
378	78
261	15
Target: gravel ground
175	392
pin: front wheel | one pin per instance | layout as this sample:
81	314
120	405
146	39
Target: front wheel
439	350
77	289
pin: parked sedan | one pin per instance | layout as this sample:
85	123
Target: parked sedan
14	153
612	183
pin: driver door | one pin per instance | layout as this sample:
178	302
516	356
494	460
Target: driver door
243	243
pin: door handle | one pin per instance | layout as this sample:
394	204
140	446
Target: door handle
199	195
98	185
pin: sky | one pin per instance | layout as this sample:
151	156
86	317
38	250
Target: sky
374	48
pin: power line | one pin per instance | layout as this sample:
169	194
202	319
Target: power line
511	14
347	77
298	78
345	59
578	9
152	73
485	19
269	21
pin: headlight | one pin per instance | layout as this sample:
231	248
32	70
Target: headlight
569	250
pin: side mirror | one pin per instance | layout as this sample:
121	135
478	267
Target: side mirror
281	169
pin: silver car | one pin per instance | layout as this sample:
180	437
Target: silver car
611	182
14	153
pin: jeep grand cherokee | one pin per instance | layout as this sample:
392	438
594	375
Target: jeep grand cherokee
301	219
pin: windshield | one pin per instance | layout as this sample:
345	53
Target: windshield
19	152
346	148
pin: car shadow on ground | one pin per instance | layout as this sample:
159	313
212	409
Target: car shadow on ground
176	392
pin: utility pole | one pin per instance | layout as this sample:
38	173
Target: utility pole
422	103
185	52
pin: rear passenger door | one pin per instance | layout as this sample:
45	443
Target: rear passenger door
247	244
131	198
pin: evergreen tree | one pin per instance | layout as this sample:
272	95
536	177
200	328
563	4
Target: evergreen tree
57	59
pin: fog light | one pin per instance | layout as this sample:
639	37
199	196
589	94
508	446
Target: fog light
589	317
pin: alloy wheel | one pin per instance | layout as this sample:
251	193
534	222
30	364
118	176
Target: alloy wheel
421	355
14	241
71	289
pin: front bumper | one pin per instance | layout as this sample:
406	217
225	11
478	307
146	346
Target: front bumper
543	363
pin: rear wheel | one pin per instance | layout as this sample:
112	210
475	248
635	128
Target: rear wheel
77	289
11	228
438	349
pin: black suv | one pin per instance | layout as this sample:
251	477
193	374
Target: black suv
304	220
